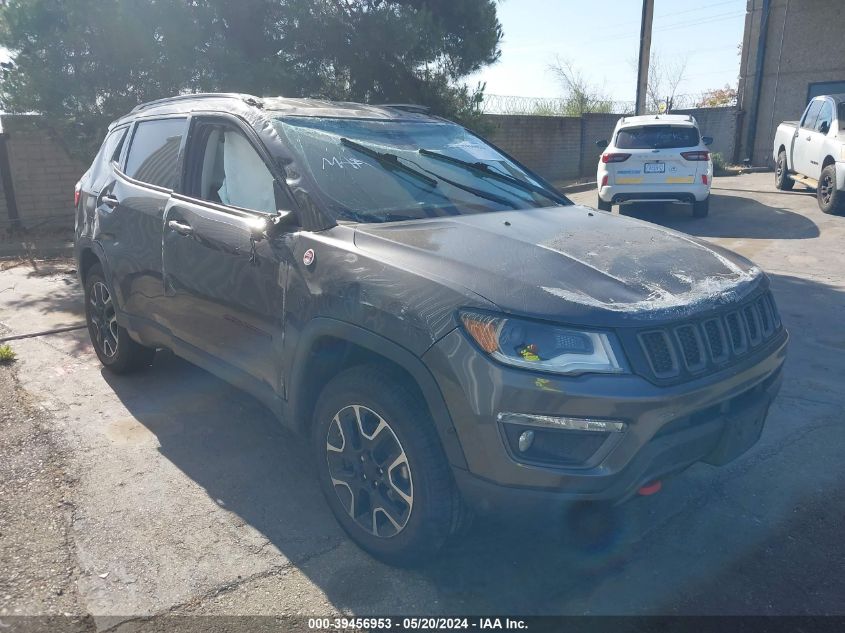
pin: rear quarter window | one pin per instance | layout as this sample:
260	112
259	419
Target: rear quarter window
657	137
109	151
154	153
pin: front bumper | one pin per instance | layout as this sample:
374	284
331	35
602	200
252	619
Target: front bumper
713	418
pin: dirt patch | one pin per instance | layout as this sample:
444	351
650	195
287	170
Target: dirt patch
38	564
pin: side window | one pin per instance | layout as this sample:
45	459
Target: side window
825	119
810	116
109	151
227	169
154	153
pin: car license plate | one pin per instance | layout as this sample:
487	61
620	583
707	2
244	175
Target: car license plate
655	168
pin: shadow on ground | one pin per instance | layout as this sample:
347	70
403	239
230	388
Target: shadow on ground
235	450
730	216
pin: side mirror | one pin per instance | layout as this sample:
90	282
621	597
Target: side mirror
824	127
602	144
707	140
263	228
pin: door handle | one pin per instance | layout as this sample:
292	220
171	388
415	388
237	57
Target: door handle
181	229
809	138
110	201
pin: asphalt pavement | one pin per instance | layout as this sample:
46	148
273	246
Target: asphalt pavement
183	495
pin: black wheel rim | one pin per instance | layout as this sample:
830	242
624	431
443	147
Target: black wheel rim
779	170
102	321
826	188
369	471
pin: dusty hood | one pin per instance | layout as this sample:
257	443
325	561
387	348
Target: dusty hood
570	263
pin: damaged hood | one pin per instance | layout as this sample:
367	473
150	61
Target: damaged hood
568	263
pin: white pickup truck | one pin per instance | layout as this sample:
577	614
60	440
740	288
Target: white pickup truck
812	151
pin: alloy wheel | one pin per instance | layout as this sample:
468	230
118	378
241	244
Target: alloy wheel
103	320
826	188
369	471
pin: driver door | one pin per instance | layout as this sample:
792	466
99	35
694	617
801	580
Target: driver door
801	144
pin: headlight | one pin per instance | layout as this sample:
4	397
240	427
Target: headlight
541	346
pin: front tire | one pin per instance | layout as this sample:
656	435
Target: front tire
604	206
381	466
115	349
701	209
830	199
782	179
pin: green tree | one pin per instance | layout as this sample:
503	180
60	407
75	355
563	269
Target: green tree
86	62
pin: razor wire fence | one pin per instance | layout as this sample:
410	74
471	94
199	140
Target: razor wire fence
567	106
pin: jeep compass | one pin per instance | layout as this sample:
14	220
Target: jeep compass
452	334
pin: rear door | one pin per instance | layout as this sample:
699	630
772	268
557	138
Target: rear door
130	212
656	154
802	158
99	175
224	282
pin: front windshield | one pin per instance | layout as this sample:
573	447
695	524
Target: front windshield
351	163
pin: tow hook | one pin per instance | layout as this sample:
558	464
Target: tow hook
651	488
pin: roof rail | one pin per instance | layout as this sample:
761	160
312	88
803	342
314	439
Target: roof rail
408	107
251	100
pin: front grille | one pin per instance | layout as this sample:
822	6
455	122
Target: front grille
658	350
695	347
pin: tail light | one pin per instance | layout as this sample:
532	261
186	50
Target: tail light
703	179
77	191
604	180
696	155
614	158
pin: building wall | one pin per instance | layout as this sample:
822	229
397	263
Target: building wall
549	145
42	172
804	44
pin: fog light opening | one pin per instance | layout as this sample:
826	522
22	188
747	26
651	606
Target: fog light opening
526	439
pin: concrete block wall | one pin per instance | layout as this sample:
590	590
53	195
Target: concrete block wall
595	127
43	172
549	145
564	148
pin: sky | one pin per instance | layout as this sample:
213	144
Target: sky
601	39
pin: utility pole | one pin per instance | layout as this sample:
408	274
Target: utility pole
645	54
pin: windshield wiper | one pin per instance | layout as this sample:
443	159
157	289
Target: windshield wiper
389	161
392	161
484	169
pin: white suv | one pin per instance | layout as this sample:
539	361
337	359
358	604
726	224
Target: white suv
656	157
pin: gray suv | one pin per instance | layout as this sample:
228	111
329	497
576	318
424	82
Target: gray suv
453	334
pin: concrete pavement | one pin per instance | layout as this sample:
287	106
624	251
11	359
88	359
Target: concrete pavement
188	497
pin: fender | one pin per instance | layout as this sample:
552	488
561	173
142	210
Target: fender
320	327
84	243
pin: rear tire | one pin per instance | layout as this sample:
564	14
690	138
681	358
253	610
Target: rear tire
116	350
701	209
604	206
830	199
382	468
782	179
